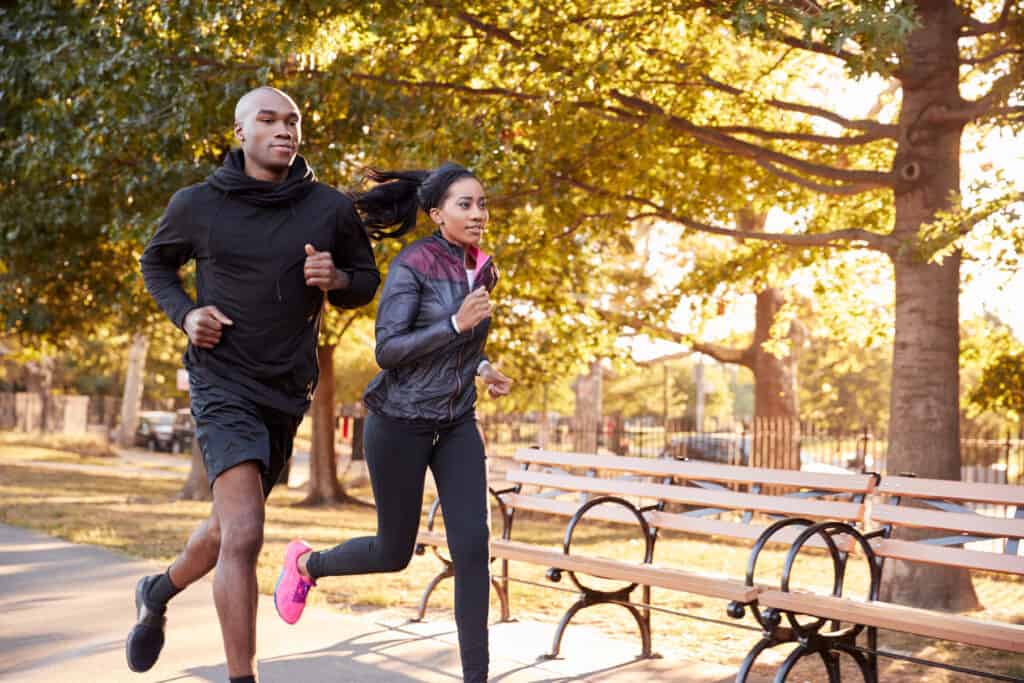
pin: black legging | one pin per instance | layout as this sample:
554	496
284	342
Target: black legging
397	456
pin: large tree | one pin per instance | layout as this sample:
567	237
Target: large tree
644	109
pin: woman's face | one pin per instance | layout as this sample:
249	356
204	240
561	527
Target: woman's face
463	213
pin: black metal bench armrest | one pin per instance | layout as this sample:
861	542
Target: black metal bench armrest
826	530
502	492
769	620
555	574
432	514
436	505
765	538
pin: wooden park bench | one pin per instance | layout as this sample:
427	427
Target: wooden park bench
943	523
648	496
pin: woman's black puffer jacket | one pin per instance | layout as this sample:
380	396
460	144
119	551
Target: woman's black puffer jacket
428	371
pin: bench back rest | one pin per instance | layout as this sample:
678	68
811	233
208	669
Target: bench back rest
711	506
958	524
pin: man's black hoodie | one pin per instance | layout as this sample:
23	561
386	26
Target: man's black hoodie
248	238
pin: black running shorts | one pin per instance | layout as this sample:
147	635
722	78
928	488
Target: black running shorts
232	430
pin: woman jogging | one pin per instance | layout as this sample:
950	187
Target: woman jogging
432	324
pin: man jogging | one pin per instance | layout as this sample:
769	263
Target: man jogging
268	241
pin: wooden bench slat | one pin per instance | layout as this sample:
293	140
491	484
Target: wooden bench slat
921	622
663	467
954	557
999	494
651	575
922	518
432	538
665	520
566	508
751	532
694	496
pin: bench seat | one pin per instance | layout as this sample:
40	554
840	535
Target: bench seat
922	622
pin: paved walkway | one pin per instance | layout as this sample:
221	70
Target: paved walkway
65	610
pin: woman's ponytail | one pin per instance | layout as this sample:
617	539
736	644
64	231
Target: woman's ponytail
392	202
399	194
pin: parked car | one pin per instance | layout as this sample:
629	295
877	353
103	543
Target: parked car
155	430
184	431
725	448
735	449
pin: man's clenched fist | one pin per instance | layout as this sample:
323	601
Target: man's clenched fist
320	271
204	325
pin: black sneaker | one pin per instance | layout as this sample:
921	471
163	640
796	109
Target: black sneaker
147	636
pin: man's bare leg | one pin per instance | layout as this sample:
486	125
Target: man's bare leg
199	556
238	505
146	639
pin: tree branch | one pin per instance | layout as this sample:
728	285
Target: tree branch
793	41
868	179
799	137
867	125
489	29
440	85
975	61
835	238
1007	111
808	7
725	354
845	190
981	28
722	354
971	110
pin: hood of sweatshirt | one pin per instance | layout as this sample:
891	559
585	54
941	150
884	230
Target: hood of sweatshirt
231	179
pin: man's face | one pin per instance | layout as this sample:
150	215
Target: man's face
269	129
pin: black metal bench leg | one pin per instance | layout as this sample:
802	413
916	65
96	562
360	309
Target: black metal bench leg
501	588
872	658
445	573
831	661
646	613
645	631
755	652
556	644
787	666
589	599
868	665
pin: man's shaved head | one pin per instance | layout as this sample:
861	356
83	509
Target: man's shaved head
252	101
268	126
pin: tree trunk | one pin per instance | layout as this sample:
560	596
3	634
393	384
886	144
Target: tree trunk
324	486
776	441
776	401
587	412
133	390
924	423
775	385
196	487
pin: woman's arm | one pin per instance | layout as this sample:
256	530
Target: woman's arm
397	342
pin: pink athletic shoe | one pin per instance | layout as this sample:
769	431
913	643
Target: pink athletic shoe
292	587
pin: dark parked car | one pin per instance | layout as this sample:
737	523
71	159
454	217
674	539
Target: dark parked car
183	432
735	449
155	430
729	449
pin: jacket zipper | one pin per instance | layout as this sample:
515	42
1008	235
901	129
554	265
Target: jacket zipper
458	385
458	366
